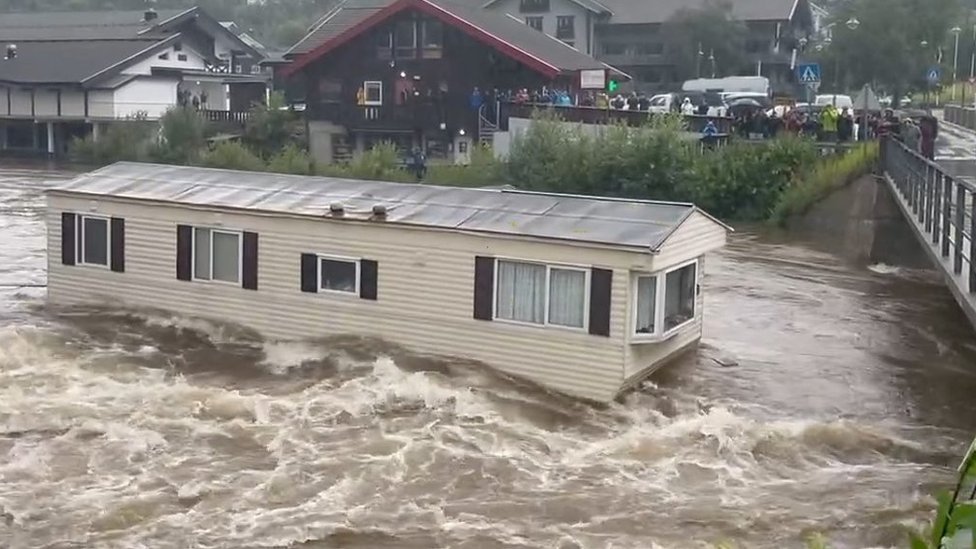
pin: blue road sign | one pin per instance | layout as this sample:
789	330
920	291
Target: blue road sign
933	76
808	73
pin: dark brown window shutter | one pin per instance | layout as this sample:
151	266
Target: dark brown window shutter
310	273
184	251
68	242
484	287
118	244
601	282
249	266
368	269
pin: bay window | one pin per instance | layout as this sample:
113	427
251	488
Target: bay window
541	294
664	302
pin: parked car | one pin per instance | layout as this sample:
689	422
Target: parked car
835	99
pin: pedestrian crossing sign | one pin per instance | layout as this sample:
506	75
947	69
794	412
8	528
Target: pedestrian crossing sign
808	74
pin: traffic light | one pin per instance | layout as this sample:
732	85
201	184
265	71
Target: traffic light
612	85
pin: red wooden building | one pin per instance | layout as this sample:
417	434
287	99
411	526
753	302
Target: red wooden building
406	72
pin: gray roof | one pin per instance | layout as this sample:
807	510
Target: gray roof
77	25
591	5
497	25
68	62
659	11
340	18
629	223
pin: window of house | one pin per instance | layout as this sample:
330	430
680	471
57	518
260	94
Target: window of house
565	27
216	255
181	57
679	297
541	294
339	275
664	302
535	22
405	37
93	244
533	6
384	45
433	34
611	48
650	48
373	92
163	56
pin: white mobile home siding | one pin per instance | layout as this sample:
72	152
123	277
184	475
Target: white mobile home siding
425	287
691	239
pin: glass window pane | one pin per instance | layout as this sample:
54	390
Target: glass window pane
521	292
433	34
405	37
646	304
679	297
226	257
95	241
567	297
201	254
338	276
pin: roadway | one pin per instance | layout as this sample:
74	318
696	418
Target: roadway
956	149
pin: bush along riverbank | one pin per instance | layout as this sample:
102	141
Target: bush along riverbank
742	181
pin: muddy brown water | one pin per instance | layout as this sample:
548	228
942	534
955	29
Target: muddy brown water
826	397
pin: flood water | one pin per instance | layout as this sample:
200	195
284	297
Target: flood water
827	397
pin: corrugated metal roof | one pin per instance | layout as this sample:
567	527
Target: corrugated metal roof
629	223
659	11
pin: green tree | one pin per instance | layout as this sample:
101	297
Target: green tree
182	136
270	127
694	35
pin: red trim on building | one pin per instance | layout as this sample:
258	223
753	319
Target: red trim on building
445	16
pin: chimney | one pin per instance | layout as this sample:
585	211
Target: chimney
11	51
149	15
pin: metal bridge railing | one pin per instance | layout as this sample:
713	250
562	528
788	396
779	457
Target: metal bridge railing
942	205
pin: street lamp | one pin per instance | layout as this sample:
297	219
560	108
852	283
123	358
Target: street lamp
955	60
711	57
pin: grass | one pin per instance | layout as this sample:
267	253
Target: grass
826	177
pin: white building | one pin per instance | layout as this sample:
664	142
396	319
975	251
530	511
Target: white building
64	74
582	295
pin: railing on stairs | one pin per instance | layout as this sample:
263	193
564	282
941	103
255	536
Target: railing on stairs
487	127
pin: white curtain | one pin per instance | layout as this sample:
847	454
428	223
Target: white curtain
646	304
226	257
567	297
201	254
521	292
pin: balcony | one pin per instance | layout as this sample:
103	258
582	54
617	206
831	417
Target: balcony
423	115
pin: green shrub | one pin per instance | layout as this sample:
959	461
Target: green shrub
182	136
232	155
379	163
270	127
826	176
483	171
291	160
128	140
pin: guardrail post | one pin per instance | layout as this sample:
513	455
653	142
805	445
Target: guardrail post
929	192
946	215
972	247
937	208
959	226
922	191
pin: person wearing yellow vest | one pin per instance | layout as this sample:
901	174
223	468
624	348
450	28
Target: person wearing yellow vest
828	121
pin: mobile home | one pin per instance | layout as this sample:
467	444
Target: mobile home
582	295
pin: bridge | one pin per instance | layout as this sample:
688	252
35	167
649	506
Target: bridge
936	199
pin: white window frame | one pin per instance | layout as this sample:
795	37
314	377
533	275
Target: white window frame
193	255
80	241
659	304
366	100
318	274
587	271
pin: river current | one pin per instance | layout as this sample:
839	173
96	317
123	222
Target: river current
826	397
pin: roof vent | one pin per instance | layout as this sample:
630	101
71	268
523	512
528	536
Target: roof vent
379	210
336	208
149	15
11	51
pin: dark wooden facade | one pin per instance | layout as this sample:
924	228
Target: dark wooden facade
426	72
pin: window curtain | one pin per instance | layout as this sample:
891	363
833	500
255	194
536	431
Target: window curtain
646	300
566	297
201	254
226	257
521	292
